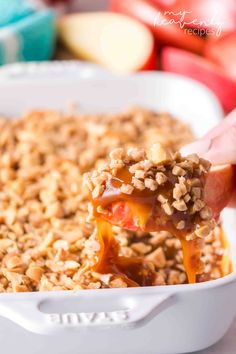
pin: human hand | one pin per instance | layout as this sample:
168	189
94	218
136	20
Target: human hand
218	146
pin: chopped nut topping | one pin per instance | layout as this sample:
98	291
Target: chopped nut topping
150	184
117	154
179	191
118	283
141	247
187	198
206	213
136	154
157	154
71	264
138	184
12	261
47	240
180	225
98	190
195	182
161	178
126	188
167	208
193	158
162	199
116	164
178	171
205	164
196	192
180	205
61	244
157	257
198	205
139	174
35	273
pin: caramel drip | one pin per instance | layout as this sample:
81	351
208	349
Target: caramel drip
192	252
192	249
134	271
226	263
142	211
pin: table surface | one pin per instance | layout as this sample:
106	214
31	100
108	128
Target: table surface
13	340
227	345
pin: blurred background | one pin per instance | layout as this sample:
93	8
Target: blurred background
194	38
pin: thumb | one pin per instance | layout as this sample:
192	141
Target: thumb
218	150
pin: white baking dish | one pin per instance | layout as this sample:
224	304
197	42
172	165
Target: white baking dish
161	319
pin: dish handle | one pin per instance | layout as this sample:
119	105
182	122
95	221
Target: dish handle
46	70
129	312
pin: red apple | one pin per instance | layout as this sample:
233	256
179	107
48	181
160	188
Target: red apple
219	187
223	53
181	62
213	15
115	41
164	30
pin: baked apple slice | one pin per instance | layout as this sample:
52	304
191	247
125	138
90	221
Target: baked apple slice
115	41
219	187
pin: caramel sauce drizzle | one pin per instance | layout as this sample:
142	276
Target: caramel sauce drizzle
226	262
141	211
134	271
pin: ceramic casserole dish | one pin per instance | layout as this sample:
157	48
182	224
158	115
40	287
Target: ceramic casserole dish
158	319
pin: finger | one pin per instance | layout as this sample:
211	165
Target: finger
232	202
222	149
219	150
221	128
199	147
203	145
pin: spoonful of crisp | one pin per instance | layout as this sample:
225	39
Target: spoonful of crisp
155	190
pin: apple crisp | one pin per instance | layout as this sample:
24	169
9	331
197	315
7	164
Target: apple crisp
151	190
48	238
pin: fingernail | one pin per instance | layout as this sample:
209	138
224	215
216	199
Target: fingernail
199	147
